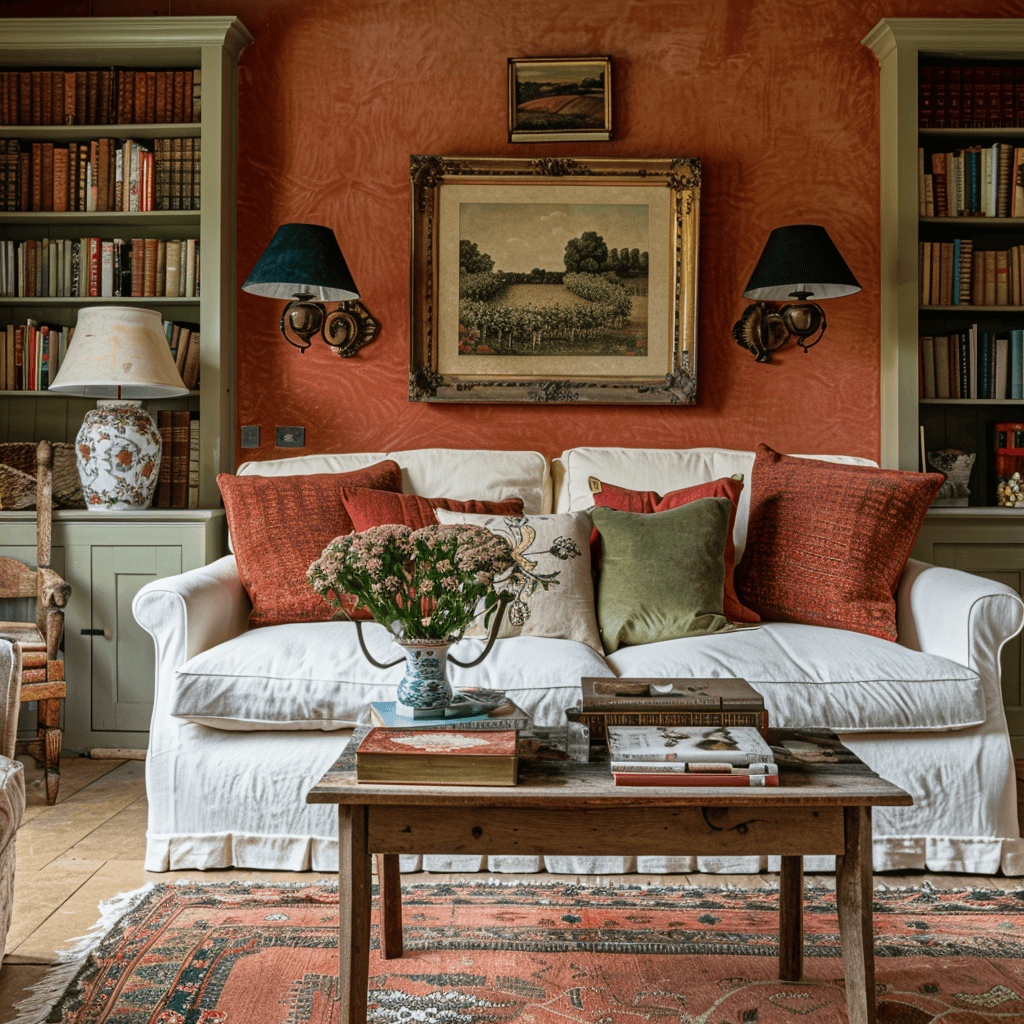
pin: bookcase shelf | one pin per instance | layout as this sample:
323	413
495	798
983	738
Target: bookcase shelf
977	223
146	218
78	301
85	132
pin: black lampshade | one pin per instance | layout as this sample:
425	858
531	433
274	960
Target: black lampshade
302	258
800	258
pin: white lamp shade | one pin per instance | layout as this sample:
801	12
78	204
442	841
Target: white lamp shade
119	347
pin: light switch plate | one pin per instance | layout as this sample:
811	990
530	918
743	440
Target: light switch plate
250	437
290	437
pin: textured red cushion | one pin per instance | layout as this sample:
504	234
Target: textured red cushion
279	525
369	508
827	543
610	496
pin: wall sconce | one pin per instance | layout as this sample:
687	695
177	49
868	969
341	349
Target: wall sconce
304	263
798	261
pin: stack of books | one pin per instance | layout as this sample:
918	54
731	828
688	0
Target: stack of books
648	755
460	750
689	702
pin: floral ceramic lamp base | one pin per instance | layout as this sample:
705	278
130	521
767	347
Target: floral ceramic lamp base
118	456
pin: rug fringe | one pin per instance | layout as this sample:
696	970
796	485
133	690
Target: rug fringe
43	995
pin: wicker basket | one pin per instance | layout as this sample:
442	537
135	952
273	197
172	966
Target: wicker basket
18	476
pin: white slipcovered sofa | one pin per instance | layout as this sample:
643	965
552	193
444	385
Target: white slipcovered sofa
245	720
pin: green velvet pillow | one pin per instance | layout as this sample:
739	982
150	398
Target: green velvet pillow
662	573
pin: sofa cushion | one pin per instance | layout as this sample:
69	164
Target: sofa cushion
312	675
826	545
812	677
455	472
662	573
661	470
550	580
279	525
368	508
611	496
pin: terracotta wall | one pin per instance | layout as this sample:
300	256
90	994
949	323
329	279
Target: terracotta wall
777	97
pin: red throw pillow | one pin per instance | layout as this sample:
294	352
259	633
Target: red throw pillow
369	508
280	524
610	496
827	543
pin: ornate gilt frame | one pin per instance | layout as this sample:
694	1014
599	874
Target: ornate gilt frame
674	382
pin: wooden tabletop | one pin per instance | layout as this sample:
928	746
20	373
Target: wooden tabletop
830	776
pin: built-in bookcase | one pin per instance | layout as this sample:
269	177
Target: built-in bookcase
108	556
210	45
982	538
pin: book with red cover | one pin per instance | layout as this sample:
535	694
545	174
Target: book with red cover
440	757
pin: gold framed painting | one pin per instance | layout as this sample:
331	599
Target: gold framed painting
554	280
559	99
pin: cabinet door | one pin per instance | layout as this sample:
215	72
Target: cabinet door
122	654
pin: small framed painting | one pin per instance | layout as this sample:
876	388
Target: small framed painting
554	280
559	99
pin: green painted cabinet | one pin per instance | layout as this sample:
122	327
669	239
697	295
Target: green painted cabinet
107	557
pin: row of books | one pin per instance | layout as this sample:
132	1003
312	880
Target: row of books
31	354
970	96
979	181
177	484
100	267
956	274
89	96
183	341
115	175
972	364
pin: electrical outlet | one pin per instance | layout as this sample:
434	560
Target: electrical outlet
250	437
290	437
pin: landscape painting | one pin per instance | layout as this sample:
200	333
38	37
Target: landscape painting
559	100
553	279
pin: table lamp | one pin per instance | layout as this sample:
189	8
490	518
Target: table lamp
304	263
118	353
798	261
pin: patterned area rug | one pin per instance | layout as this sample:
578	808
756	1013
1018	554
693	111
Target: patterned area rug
545	954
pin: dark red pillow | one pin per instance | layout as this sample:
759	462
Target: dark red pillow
610	496
827	542
280	524
369	508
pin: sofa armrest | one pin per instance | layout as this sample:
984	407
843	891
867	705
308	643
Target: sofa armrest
957	615
185	615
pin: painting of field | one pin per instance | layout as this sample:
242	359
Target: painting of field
550	279
559	97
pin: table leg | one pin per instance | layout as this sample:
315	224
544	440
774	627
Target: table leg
354	895
389	882
791	919
856	925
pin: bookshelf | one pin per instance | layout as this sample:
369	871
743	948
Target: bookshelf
108	556
982	538
213	45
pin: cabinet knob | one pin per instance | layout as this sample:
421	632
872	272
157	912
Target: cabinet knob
97	632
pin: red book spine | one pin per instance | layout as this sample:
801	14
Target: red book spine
695	779
94	266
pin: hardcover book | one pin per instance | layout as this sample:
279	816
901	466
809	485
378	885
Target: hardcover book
739	745
682	779
507	715
617	695
442	757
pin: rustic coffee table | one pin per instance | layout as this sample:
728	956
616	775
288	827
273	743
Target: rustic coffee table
822	806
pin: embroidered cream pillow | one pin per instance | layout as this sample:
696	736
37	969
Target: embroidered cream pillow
552	590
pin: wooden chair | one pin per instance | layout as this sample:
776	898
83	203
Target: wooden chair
42	677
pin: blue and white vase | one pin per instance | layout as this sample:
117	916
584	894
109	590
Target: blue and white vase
424	691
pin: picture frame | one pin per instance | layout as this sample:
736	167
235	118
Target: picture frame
554	280
559	99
